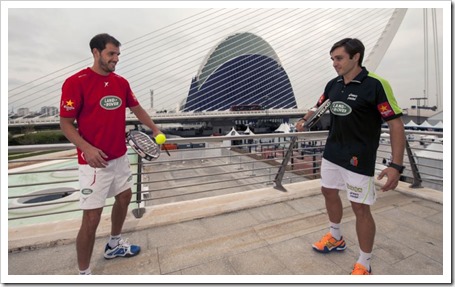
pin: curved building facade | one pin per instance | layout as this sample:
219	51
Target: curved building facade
243	69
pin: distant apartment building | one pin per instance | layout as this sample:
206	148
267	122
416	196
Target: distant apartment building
21	112
49	111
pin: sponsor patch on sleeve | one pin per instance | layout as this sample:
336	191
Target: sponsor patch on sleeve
321	100
385	109
68	105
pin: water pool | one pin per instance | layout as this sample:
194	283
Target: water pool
56	175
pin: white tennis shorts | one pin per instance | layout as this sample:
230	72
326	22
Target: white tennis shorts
98	184
360	188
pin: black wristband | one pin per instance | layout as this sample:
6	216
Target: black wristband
398	167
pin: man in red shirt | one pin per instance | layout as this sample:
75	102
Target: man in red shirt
97	98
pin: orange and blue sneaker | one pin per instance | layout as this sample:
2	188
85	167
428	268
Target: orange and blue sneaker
329	243
359	269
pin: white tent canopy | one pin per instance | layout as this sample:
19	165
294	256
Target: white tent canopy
411	124
233	132
426	125
439	125
248	131
283	128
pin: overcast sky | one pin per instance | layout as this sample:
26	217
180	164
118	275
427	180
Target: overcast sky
43	42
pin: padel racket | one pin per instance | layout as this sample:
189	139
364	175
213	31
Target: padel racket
312	121
143	145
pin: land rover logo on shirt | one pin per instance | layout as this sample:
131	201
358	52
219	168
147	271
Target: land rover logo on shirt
110	102
340	109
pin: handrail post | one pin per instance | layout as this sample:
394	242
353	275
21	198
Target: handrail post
139	211
417	180
279	176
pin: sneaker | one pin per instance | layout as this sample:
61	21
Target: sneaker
123	249
329	243
359	269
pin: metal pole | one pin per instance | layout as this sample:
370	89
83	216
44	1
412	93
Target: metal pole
417	180
284	163
240	163
139	211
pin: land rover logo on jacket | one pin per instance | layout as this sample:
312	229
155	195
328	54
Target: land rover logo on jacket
110	102
340	109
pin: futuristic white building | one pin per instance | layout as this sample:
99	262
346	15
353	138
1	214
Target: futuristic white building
242	69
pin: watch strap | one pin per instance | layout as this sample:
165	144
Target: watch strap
398	167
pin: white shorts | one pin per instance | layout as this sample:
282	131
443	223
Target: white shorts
98	184
360	188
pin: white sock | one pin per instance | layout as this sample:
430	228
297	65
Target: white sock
364	259
85	272
335	230
113	240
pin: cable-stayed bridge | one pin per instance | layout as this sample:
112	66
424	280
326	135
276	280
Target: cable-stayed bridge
160	64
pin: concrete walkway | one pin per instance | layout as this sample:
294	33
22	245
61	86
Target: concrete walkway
259	232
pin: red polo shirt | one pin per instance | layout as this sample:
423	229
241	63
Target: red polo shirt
98	103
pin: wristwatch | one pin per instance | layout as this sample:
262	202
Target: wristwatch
398	167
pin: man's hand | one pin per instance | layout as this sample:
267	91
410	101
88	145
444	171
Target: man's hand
393	176
300	125
94	157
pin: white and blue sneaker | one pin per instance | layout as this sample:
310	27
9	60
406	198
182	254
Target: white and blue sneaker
123	249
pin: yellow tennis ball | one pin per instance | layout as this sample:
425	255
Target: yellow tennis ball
160	139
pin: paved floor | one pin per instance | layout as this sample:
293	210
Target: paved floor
260	232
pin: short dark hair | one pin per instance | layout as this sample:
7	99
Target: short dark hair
101	40
352	47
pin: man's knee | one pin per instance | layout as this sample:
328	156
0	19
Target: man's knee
361	210
124	197
330	193
92	217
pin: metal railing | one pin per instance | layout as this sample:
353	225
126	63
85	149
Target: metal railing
423	158
172	117
46	186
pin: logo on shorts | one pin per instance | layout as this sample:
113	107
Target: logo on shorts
354	161
86	191
355	189
110	102
353	195
129	178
